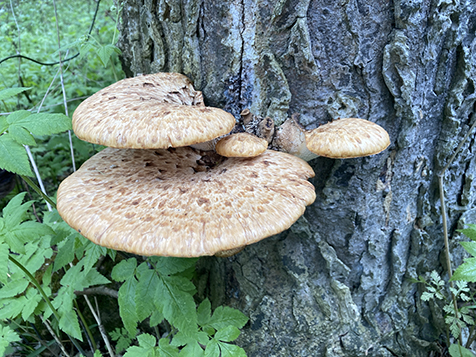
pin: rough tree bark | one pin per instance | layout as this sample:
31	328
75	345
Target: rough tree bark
336	283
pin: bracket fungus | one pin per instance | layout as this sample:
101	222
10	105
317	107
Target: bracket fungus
157	111
150	193
340	139
178	202
241	145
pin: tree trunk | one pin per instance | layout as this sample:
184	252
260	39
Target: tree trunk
337	282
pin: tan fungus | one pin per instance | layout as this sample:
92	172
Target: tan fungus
241	145
347	138
180	202
152	111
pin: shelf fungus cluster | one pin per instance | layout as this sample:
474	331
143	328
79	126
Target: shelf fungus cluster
150	193
179	179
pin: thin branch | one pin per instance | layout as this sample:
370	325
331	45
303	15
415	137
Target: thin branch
101	327
62	85
99	290
48	327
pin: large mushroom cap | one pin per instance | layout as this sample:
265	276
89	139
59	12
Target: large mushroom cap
347	138
159	110
241	145
177	202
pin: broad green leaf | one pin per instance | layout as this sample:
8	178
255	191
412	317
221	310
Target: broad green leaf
456	350
97	353
92	254
33	299
165	349
466	271
13	288
105	53
65	253
177	304
28	231
13	243
148	282
156	318
36	253
227	334
124	270
7	335
12	307
123	339
4	251
21	135
192	350
69	323
127	304
85	48
14	212
146	347
470	247
93	277
10	92
45	123
13	156
172	265
212	349
18	115
3	124
469	232
228	350
224	316
204	312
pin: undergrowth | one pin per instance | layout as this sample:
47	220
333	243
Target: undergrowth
61	294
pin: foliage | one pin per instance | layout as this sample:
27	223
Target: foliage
462	316
45	265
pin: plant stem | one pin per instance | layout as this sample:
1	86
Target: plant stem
43	295
37	190
86	327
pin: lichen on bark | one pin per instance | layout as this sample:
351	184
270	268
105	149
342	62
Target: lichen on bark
336	283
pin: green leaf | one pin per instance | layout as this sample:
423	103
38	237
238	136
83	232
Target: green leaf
177	303
18	115
13	288
228	350
97	353
469	232
14	212
470	247
224	316
148	283
13	156
69	323
457	350
33	299
127	304
172	265
227	334
4	251
204	312
165	349
124	270
212	349
156	318
146	347
10	92
92	254
21	135
7	336
45	123
29	231
123	339
105	53
466	271
192	350
3	124
65	253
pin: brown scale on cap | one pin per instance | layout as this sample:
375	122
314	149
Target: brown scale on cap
153	111
159	202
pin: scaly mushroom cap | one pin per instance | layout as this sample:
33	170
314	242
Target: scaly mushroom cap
347	138
180	202
154	111
241	145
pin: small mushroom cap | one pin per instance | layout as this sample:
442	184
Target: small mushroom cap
153	111
347	138
241	145
179	202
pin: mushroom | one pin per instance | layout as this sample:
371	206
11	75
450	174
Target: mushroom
159	110
340	139
179	202
241	145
